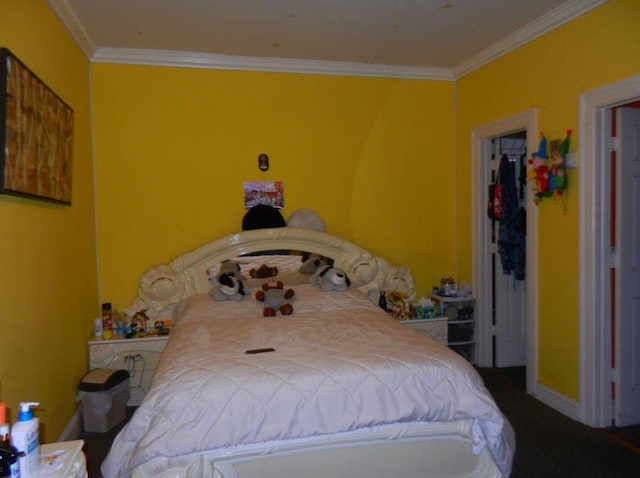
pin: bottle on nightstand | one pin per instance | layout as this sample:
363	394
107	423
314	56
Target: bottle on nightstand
26	436
10	462
107	321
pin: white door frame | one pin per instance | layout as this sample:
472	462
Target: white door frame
481	270
595	300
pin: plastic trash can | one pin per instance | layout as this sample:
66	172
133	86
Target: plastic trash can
104	394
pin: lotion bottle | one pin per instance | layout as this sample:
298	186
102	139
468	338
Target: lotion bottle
26	439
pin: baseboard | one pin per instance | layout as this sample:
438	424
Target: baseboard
557	401
73	430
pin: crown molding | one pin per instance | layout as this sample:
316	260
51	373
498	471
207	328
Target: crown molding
280	65
559	16
74	26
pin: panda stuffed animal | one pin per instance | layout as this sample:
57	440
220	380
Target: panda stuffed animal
228	287
331	278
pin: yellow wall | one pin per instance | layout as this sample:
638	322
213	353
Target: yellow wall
48	277
174	146
549	74
375	157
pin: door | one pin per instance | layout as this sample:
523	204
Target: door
627	333
509	294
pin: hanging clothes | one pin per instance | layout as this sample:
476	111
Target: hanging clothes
512	231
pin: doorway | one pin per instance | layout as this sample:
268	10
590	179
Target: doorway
609	339
489	305
507	250
625	275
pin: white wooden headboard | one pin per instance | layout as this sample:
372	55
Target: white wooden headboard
164	285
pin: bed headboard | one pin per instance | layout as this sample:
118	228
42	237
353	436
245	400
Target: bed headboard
164	285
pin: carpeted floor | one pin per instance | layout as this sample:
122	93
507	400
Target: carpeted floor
549	445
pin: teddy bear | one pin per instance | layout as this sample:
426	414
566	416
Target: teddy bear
331	278
228	287
263	272
311	262
276	298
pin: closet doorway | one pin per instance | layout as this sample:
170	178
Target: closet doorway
507	249
505	307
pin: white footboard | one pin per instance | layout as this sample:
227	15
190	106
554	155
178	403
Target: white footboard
417	450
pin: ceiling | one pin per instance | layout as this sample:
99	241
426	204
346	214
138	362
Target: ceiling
381	35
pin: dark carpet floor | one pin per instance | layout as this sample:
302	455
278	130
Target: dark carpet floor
549	445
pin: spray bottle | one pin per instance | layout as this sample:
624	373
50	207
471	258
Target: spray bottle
26	439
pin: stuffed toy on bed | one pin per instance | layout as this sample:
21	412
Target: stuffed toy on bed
331	278
228	287
311	263
263	272
230	267
275	298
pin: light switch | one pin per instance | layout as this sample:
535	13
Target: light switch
572	160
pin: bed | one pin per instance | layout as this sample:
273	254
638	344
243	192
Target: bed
342	390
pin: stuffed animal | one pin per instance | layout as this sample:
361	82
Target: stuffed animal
331	278
311	263
230	267
263	272
275	298
228	287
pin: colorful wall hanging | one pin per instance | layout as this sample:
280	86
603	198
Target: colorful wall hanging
548	174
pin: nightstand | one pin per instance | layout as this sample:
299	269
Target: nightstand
62	460
138	355
434	328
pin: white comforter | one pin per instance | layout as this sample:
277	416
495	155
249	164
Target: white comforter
340	364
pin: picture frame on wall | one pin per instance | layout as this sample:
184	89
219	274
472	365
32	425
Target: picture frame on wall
263	192
36	135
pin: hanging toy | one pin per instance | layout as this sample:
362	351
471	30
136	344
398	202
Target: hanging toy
538	171
549	175
558	166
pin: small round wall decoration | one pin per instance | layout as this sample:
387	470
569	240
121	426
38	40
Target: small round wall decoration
263	162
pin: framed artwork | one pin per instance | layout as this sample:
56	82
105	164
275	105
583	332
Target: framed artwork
264	192
36	135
